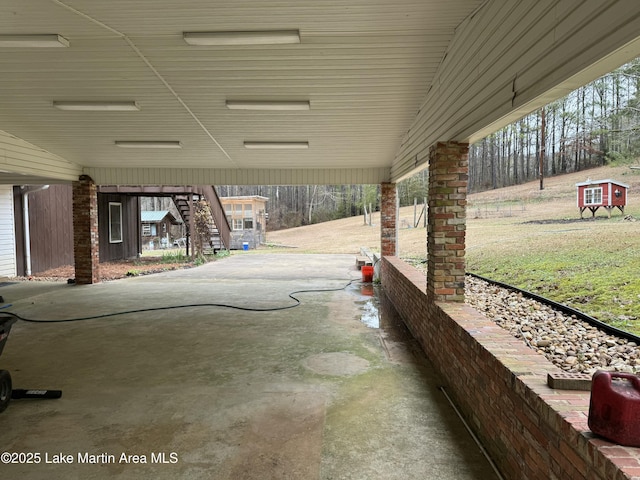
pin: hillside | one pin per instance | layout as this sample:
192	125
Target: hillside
493	217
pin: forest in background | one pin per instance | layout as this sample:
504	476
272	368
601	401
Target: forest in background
595	125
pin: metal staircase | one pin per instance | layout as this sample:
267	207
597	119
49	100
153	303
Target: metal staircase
220	231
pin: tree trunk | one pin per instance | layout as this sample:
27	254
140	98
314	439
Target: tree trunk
542	146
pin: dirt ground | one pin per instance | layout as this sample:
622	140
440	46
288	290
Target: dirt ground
111	270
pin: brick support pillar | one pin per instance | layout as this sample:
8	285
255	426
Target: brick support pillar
388	220
446	225
85	231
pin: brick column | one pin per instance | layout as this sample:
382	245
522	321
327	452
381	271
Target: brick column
85	231
388	220
448	175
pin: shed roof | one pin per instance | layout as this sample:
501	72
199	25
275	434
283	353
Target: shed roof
158	216
598	182
245	197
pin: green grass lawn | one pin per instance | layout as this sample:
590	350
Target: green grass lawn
591	266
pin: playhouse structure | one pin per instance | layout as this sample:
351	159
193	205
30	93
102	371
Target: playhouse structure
247	218
594	194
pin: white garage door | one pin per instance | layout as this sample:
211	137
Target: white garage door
7	233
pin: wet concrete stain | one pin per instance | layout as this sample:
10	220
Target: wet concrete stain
282	440
336	364
370	314
367	302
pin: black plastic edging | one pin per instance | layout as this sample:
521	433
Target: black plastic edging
564	309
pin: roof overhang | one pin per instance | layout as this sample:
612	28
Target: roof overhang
359	98
600	182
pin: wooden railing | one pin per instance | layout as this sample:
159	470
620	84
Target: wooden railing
217	212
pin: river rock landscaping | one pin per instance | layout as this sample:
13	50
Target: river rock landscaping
570	343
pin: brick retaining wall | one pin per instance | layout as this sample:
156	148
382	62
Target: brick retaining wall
530	430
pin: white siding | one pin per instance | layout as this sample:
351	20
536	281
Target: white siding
7	233
19	156
217	176
513	57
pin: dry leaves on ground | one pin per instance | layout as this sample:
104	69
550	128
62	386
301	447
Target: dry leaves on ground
111	270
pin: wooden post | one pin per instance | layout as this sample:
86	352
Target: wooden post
424	206
192	228
542	147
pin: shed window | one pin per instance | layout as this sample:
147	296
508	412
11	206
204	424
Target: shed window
593	196
115	222
149	230
228	209
237	224
248	217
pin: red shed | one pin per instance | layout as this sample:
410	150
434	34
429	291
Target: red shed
594	194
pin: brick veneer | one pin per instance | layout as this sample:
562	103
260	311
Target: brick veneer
388	214
530	430
446	220
85	231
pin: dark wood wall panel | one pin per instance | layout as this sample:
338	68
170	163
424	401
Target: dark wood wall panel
130	245
50	226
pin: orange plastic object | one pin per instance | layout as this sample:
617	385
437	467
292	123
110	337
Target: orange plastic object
367	273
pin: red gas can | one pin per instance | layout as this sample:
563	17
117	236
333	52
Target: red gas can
614	409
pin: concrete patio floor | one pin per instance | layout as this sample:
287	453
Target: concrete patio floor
310	392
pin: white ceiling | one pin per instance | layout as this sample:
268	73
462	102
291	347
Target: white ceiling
365	66
385	80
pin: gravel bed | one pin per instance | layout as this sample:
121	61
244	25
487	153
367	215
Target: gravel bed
570	343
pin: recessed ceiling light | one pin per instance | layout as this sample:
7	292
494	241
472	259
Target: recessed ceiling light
98	106
268	105
148	144
265	37
33	41
277	145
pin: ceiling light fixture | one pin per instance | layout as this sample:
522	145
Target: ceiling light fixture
148	144
33	41
277	145
268	105
98	106
264	37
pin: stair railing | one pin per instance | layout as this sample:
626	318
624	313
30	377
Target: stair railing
217	212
